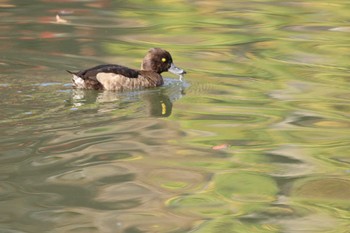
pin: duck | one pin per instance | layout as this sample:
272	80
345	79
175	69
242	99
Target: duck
113	77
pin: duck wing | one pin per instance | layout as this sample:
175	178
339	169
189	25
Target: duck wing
91	73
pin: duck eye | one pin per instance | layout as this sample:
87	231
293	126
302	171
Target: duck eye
163	59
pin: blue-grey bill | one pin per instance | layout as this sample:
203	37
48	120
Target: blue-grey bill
176	70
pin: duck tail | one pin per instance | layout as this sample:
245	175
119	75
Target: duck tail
71	72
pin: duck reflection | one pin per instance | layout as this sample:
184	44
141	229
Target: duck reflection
156	102
158	105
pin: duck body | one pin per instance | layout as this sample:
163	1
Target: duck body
119	78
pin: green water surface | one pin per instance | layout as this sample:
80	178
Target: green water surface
255	139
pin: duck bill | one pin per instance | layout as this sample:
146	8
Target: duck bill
176	70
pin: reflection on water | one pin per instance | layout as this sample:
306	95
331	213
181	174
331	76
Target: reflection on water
255	139
158	102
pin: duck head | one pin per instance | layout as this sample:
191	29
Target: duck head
160	60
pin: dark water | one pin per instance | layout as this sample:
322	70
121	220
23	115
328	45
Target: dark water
256	139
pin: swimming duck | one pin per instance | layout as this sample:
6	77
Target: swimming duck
119	78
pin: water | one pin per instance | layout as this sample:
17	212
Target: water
255	139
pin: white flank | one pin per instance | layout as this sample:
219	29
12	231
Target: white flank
78	82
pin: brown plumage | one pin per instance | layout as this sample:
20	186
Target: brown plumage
119	78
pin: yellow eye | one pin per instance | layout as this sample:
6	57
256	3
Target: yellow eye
163	59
